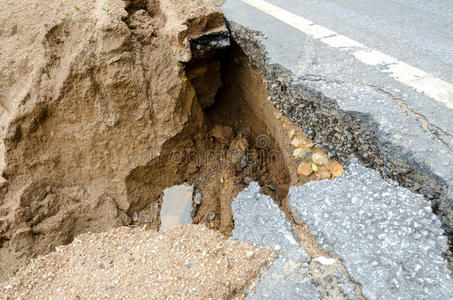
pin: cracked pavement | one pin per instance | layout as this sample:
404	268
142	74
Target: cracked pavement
353	109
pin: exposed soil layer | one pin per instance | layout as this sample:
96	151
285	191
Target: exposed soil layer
90	93
239	139
106	105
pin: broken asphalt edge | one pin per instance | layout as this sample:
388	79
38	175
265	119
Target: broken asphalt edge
344	133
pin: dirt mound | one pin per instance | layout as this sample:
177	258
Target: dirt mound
91	94
188	262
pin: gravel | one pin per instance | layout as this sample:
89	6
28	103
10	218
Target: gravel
187	262
388	237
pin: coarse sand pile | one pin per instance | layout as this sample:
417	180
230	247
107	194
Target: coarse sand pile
186	262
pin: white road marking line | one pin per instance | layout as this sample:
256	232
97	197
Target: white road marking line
419	80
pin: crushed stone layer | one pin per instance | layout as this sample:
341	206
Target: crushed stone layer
388	237
187	262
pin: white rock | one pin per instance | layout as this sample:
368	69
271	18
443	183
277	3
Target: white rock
325	260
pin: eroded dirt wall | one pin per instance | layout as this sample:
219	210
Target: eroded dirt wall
90	91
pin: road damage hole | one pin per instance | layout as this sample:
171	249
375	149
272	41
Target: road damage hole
235	136
155	98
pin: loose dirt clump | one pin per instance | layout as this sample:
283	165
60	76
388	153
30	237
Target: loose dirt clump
190	262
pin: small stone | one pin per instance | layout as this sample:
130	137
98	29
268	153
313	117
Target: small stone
320	159
244	161
305	169
336	169
301	153
249	254
291	133
297	142
135	217
124	250
248	180
197	198
314	167
309	145
324	173
111	261
210	217
325	260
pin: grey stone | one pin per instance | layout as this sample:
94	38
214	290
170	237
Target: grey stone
244	161
135	217
176	206
388	237
259	220
197	198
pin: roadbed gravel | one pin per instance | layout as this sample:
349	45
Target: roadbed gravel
186	262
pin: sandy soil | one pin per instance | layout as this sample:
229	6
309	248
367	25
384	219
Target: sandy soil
190	262
90	93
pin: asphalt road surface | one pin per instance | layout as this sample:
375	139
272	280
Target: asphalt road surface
415	36
391	60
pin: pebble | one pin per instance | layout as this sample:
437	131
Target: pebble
320	159
244	161
292	133
297	142
314	167
324	173
197	198
301	153
305	169
135	217
325	260
248	180
336	169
